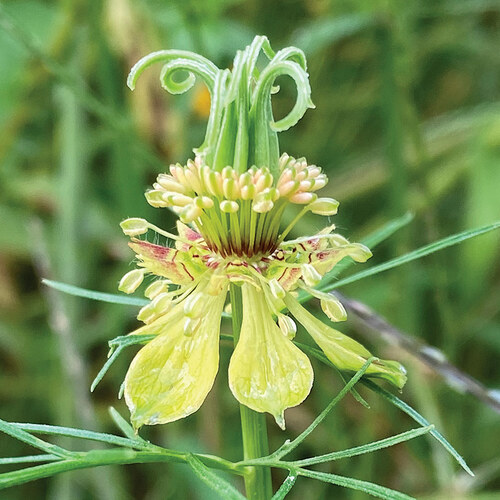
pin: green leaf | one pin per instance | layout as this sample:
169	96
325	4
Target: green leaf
387	230
125	427
211	479
355	484
106	367
20	434
28	459
286	486
371	241
366	448
289	446
416	254
77	433
421	420
93	295
117	345
400	404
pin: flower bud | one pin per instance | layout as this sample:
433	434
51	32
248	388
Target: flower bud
155	198
324	206
247	192
287	326
146	314
157	287
190	326
276	289
193	305
231	189
162	303
229	207
333	309
303	198
131	281
134	226
310	275
262	206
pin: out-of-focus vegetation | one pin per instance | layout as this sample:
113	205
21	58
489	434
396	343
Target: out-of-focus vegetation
407	118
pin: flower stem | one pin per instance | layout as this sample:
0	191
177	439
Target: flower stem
253	424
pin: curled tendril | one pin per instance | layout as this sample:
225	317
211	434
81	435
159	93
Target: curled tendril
176	60
264	88
241	127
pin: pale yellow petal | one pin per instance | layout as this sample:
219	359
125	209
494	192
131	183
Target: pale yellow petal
267	372
171	376
343	351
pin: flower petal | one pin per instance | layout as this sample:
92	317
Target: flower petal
267	372
325	260
345	353
179	267
171	376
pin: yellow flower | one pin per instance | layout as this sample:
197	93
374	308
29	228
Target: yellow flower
234	238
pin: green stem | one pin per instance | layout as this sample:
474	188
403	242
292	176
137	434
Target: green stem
253	424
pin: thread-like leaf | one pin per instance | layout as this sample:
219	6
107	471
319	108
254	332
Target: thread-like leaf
416	254
366	448
286	486
355	484
215	482
113	298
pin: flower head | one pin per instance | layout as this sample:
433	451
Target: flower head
230	234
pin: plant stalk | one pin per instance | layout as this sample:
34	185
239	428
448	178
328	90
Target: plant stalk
258	484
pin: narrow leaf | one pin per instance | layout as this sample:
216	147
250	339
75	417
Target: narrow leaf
366	448
78	433
286	486
289	446
401	405
416	254
421	420
215	482
387	230
371	241
106	367
26	437
124	426
117	345
355	484
93	295
28	459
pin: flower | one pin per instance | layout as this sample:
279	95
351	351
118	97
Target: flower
171	376
229	235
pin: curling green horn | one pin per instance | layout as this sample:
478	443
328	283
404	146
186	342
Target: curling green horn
241	130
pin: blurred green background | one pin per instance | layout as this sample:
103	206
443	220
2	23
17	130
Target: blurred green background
407	118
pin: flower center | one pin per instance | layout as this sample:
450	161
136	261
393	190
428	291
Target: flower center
237	214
